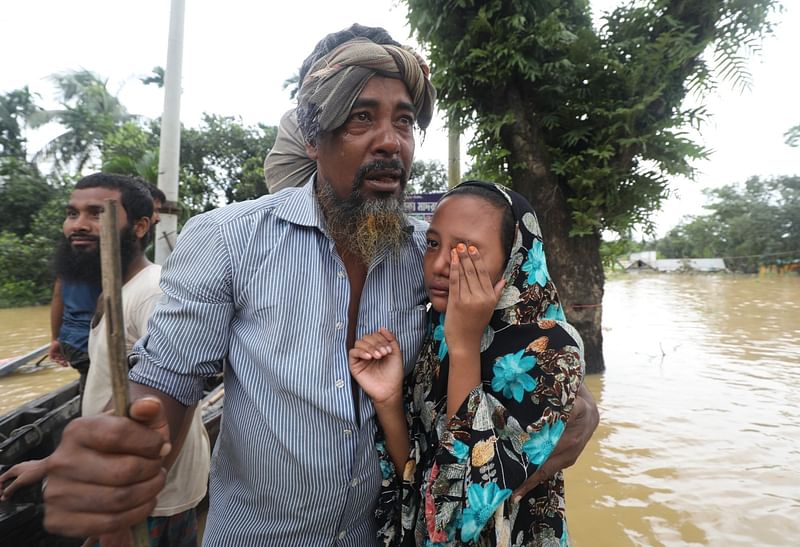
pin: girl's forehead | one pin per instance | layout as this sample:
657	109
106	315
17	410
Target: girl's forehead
463	216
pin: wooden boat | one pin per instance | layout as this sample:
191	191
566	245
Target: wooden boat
32	432
7	366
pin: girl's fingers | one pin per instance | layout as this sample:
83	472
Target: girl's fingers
375	344
455	274
480	270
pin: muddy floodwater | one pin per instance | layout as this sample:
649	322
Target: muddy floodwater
699	442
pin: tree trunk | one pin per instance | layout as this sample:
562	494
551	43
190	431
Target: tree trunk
574	262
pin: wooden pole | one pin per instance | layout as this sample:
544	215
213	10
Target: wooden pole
110	264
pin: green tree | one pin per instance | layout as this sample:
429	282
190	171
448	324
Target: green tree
223	157
752	223
132	150
88	114
16	107
427	177
23	190
588	123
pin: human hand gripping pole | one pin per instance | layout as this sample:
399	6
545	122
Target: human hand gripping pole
110	262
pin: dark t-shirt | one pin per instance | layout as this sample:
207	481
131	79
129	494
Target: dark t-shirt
80	300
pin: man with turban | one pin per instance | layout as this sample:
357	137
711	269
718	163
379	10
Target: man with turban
278	289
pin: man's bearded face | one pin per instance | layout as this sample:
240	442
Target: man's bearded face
363	224
81	263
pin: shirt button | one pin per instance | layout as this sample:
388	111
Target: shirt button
339	325
340	274
342	534
354	483
348	432
339	383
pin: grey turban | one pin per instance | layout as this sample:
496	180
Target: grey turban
327	94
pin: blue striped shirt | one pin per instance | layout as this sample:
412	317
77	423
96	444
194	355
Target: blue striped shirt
261	285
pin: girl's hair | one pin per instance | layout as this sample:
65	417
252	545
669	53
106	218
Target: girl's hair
508	225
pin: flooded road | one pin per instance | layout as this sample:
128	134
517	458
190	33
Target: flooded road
699	442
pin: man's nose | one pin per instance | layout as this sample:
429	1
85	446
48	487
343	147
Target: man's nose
387	142
79	223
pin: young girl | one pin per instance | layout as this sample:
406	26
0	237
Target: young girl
492	388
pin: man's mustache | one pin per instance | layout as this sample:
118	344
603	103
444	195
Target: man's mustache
82	237
380	165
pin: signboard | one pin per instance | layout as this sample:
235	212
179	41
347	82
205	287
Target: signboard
421	206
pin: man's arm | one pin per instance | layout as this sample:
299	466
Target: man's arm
583	420
107	470
56	318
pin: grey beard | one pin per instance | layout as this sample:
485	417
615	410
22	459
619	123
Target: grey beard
363	227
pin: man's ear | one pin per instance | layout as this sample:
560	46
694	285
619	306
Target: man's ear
311	150
141	227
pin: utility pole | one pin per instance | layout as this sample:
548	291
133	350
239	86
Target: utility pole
170	146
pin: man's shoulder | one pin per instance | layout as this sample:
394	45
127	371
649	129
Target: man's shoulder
145	283
254	210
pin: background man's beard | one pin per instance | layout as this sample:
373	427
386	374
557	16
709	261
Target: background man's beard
83	265
363	226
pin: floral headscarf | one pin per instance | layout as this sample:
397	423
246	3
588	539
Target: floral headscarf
462	470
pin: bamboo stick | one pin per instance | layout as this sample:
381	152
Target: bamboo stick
110	263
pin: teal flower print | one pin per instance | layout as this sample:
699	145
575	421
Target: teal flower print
438	335
460	451
536	265
565	537
511	375
541	444
482	502
554	312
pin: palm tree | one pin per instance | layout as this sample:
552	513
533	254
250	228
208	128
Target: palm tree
89	113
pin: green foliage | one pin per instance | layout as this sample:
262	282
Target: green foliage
25	277
132	150
222	159
598	111
88	114
15	109
22	192
753	223
223	156
427	177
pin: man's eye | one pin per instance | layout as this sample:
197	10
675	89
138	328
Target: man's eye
406	121
360	117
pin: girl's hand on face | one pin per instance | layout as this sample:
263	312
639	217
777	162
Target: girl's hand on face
471	300
376	363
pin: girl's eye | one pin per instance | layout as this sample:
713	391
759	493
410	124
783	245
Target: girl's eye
432	243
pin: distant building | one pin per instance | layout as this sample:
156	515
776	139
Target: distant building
647	261
691	265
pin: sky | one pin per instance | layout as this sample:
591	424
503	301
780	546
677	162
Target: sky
238	53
